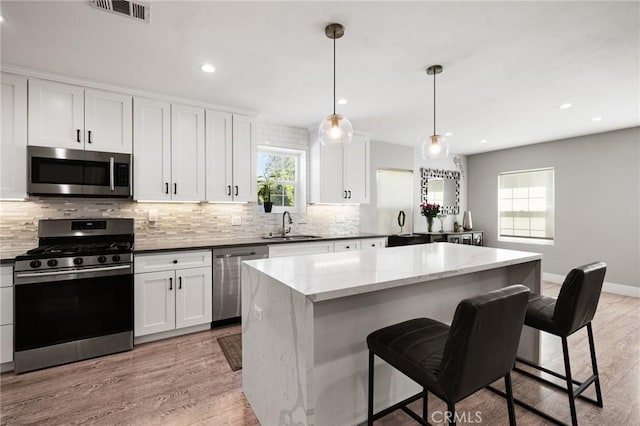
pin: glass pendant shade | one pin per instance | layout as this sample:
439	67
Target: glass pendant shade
335	129
435	147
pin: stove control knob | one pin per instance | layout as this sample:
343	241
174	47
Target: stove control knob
116	258
102	259
35	264
77	261
52	262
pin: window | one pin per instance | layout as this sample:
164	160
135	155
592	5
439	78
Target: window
525	204
285	171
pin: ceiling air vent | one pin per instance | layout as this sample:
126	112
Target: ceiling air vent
135	10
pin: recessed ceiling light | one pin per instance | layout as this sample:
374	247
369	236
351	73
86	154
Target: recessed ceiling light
483	141
1	18
342	101
565	105
448	134
208	68
596	119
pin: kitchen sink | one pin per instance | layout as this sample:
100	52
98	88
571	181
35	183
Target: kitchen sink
290	237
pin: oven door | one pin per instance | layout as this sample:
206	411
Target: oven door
57	171
70	307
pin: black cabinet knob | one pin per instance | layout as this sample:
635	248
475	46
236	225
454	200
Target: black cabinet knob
175	261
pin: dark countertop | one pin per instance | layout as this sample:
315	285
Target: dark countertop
160	246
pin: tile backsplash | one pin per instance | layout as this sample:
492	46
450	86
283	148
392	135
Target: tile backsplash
177	222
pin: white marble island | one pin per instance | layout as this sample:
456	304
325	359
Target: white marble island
305	321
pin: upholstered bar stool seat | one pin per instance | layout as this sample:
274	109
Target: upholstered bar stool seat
453	362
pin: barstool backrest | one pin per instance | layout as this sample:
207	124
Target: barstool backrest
483	340
579	295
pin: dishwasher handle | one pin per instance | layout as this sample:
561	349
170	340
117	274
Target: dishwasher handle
228	255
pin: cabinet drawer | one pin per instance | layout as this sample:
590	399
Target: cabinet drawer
346	245
372	243
172	261
6	343
298	249
6	305
6	276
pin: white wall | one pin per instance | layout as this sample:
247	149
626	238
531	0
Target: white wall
454	162
383	156
597	200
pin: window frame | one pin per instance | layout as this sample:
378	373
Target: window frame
523	238
300	185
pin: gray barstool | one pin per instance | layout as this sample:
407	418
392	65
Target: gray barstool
454	362
572	310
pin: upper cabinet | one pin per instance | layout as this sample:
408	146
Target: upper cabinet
230	151
68	116
340	174
13	152
169	155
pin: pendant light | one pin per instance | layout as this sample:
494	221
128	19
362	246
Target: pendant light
335	129
435	146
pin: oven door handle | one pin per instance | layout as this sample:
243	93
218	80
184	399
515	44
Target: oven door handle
74	271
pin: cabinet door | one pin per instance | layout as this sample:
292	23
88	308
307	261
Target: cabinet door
187	153
346	245
154	302
151	150
107	119
330	188
6	343
244	159
373	243
56	114
193	297
13	146
356	169
219	152
170	261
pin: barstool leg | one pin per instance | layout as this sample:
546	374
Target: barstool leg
451	408
509	391
567	367
370	403
594	365
425	405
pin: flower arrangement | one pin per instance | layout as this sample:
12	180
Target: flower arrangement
430	210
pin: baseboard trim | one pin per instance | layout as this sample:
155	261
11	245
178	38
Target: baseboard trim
607	287
171	333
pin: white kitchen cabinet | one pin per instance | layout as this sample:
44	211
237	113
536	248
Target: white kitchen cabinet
298	249
373	243
231	171
175	295
346	245
6	315
68	116
13	146
169	151
340	174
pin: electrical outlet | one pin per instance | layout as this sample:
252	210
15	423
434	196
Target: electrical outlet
236	220
340	218
257	310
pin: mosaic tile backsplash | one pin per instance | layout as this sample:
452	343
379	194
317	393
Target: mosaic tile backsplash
177	222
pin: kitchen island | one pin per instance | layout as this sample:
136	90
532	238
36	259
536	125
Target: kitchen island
305	321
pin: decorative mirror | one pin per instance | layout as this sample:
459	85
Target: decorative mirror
441	187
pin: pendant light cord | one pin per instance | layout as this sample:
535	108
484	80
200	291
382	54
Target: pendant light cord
434	103
334	71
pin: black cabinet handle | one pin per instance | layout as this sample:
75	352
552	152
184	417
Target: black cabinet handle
170	283
346	246
349	194
78	135
345	194
89	136
229	190
175	261
166	187
179	283
175	188
236	190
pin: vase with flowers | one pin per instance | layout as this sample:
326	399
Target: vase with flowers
429	211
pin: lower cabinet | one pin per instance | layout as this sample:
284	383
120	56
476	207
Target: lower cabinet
6	317
298	249
175	298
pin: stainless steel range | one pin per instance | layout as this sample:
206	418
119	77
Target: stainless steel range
73	295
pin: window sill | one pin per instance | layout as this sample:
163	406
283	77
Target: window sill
522	240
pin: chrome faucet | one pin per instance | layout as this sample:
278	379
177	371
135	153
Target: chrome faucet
284	215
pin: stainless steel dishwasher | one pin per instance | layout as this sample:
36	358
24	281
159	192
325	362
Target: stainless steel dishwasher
226	279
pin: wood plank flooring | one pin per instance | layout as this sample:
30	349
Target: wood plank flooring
187	381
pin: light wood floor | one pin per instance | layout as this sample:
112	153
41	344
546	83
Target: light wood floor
186	380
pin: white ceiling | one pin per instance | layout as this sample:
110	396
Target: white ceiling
507	65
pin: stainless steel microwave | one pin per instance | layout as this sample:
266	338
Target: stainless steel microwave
72	172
